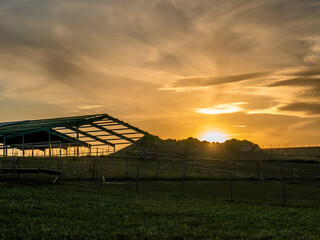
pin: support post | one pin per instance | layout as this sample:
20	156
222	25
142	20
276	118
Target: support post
60	149
67	150
77	141
49	143
23	151
4	147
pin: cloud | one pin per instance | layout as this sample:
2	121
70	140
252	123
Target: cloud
89	107
306	72
222	108
299	82
312	108
306	81
211	81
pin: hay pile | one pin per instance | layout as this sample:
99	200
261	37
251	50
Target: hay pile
230	149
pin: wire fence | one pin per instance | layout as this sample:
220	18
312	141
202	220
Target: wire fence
271	181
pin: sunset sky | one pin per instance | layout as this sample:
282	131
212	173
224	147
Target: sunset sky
175	68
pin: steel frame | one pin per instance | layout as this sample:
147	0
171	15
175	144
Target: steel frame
24	135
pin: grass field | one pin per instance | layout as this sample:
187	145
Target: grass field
75	212
295	183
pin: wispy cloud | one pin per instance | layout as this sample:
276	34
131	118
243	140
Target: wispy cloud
309	108
186	83
89	107
222	108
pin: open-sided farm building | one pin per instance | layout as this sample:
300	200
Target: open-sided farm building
80	135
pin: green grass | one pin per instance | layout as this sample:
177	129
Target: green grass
74	212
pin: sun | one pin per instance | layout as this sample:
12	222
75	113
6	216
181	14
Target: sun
214	136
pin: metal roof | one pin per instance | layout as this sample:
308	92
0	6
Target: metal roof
87	131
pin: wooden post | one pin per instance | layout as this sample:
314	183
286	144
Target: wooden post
284	193
38	175
258	171
127	168
32	151
231	186
158	168
198	163
227	166
61	165
137	180
18	168
182	182
101	179
93	168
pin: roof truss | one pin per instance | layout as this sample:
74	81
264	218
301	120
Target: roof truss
87	131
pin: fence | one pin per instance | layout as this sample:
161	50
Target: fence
310	152
294	182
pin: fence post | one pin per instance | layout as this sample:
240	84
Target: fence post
231	186
93	168
258	171
101	177
158	168
18	168
127	168
182	182
38	177
137	180
61	165
58	164
96	176
198	163
284	193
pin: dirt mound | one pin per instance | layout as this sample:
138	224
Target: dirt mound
231	149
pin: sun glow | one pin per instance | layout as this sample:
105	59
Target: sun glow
214	136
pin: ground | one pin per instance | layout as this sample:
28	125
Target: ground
69	211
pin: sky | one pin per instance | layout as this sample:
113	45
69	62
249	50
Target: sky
249	69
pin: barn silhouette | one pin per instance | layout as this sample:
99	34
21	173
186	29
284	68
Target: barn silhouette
63	134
